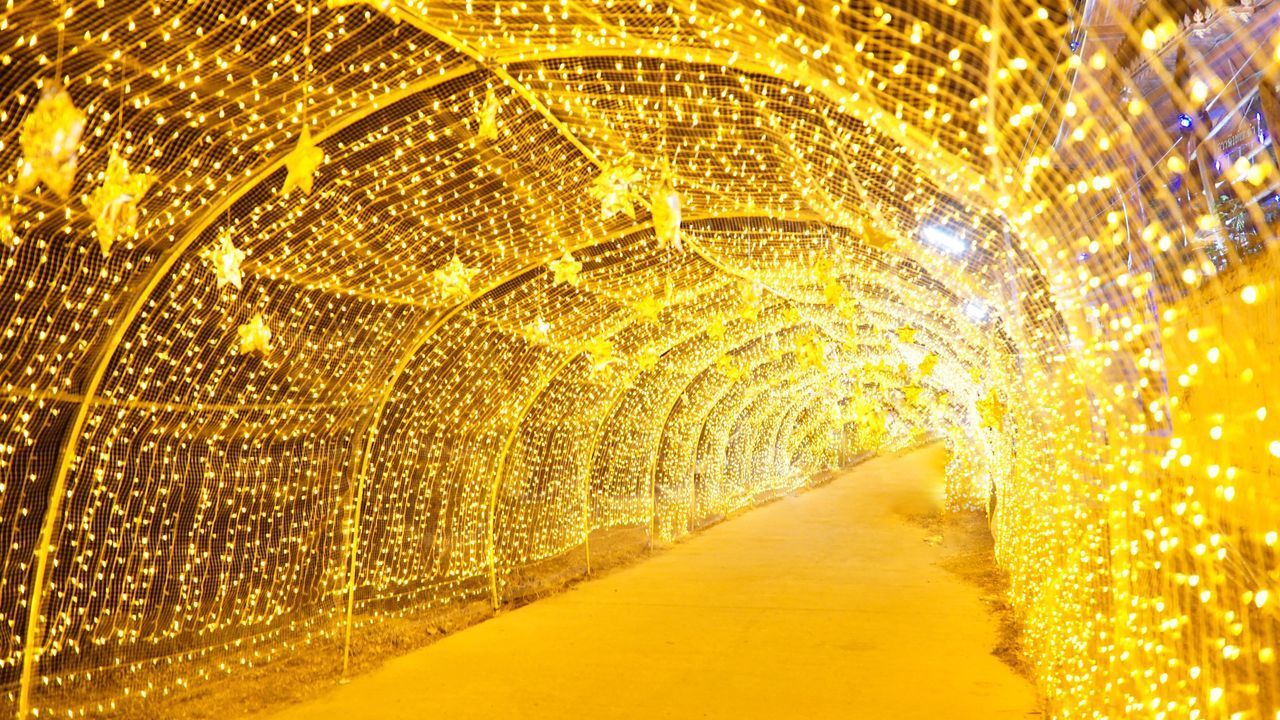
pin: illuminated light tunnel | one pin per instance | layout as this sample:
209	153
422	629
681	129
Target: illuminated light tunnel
321	319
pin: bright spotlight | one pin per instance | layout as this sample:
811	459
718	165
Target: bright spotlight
944	240
977	311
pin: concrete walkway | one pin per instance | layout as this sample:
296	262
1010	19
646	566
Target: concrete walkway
824	605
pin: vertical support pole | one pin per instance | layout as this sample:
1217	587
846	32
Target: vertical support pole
352	563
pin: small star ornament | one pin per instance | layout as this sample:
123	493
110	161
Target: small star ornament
566	269
489	117
255	336
8	227
912	393
615	189
833	292
666	210
649	309
647	360
454	279
730	369
599	354
540	330
8	235
50	141
715	330
225	258
991	409
927	364
301	163
114	204
906	334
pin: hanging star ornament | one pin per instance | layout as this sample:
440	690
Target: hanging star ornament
649	309
715	329
647	360
50	141
301	163
991	409
114	204
489	117
666	210
255	336
8	235
540	330
906	334
729	368
8	227
224	259
927	364
566	269
454	279
615	188
599	353
912	393
833	291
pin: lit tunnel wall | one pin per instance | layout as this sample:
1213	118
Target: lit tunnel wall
491	362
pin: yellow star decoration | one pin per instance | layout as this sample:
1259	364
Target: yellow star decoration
906	334
647	360
833	291
912	393
791	315
224	259
540	330
599	354
566	269
301	163
114	205
255	336
927	364
847	307
615	190
975	373
50	141
8	231
386	7
454	279
715	329
666	210
728	367
822	270
942	399
489	116
649	309
991	409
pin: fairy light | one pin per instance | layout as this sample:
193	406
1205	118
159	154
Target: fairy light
317	316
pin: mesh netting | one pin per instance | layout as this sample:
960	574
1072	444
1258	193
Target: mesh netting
266	428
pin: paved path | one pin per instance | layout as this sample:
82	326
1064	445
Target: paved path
824	605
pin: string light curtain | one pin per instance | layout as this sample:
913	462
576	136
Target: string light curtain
320	315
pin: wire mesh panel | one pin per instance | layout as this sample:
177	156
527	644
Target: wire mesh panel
329	327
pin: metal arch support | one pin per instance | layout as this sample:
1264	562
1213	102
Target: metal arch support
34	640
756	391
492	506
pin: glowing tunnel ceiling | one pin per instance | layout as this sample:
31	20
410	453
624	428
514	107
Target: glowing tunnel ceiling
421	295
